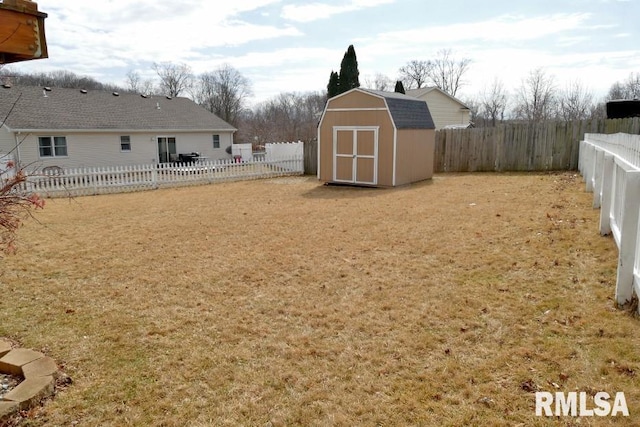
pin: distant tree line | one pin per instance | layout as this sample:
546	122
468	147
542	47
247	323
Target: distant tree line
58	78
294	116
286	117
538	98
224	91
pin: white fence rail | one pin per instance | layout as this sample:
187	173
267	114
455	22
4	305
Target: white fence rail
120	179
610	165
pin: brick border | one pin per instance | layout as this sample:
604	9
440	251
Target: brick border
39	373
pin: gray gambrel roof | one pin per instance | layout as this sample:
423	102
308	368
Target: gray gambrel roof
407	112
93	110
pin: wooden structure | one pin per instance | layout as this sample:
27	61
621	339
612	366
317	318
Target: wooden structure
521	146
22	35
375	138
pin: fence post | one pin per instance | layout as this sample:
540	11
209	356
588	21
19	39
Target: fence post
607	190
154	175
597	177
589	165
628	238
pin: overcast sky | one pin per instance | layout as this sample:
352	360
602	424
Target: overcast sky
285	45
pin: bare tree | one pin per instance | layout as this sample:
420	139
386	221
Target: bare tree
223	92
629	89
617	91
415	74
598	111
15	202
174	78
58	78
475	108
286	117
447	72
536	97
575	102
379	82
137	85
493	102
133	81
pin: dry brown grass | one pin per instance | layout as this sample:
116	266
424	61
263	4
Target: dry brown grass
284	302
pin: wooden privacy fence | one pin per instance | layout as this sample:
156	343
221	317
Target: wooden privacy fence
610	165
119	179
311	157
520	146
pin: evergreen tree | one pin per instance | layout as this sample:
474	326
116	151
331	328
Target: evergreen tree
333	88
399	87
349	71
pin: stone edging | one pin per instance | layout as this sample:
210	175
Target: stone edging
39	373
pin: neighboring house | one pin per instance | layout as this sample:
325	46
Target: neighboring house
70	128
373	138
446	110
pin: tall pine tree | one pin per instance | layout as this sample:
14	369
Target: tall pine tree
399	87
349	71
333	88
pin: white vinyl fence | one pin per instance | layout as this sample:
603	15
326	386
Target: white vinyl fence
245	151
283	150
610	165
120	179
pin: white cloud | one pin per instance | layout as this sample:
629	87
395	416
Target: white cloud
112	33
121	13
505	28
315	11
261	38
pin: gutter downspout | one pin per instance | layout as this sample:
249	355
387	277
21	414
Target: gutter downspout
18	160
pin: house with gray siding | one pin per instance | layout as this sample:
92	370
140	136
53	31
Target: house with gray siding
70	128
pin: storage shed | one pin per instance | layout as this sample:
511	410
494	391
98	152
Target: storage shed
374	138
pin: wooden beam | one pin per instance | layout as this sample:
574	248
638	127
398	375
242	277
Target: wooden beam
22	35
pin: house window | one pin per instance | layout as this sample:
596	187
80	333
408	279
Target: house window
216	141
52	146
125	143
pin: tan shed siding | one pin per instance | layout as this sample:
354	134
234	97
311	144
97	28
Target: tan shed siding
415	155
357	100
445	111
103	149
354	119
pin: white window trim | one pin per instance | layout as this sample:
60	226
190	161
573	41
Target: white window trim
130	145
53	147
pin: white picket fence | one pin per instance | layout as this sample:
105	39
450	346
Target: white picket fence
610	165
120	179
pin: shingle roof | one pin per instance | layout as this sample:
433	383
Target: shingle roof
407	112
73	109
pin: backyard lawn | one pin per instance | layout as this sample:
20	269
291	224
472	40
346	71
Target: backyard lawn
284	302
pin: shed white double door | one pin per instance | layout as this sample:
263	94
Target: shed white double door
355	155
